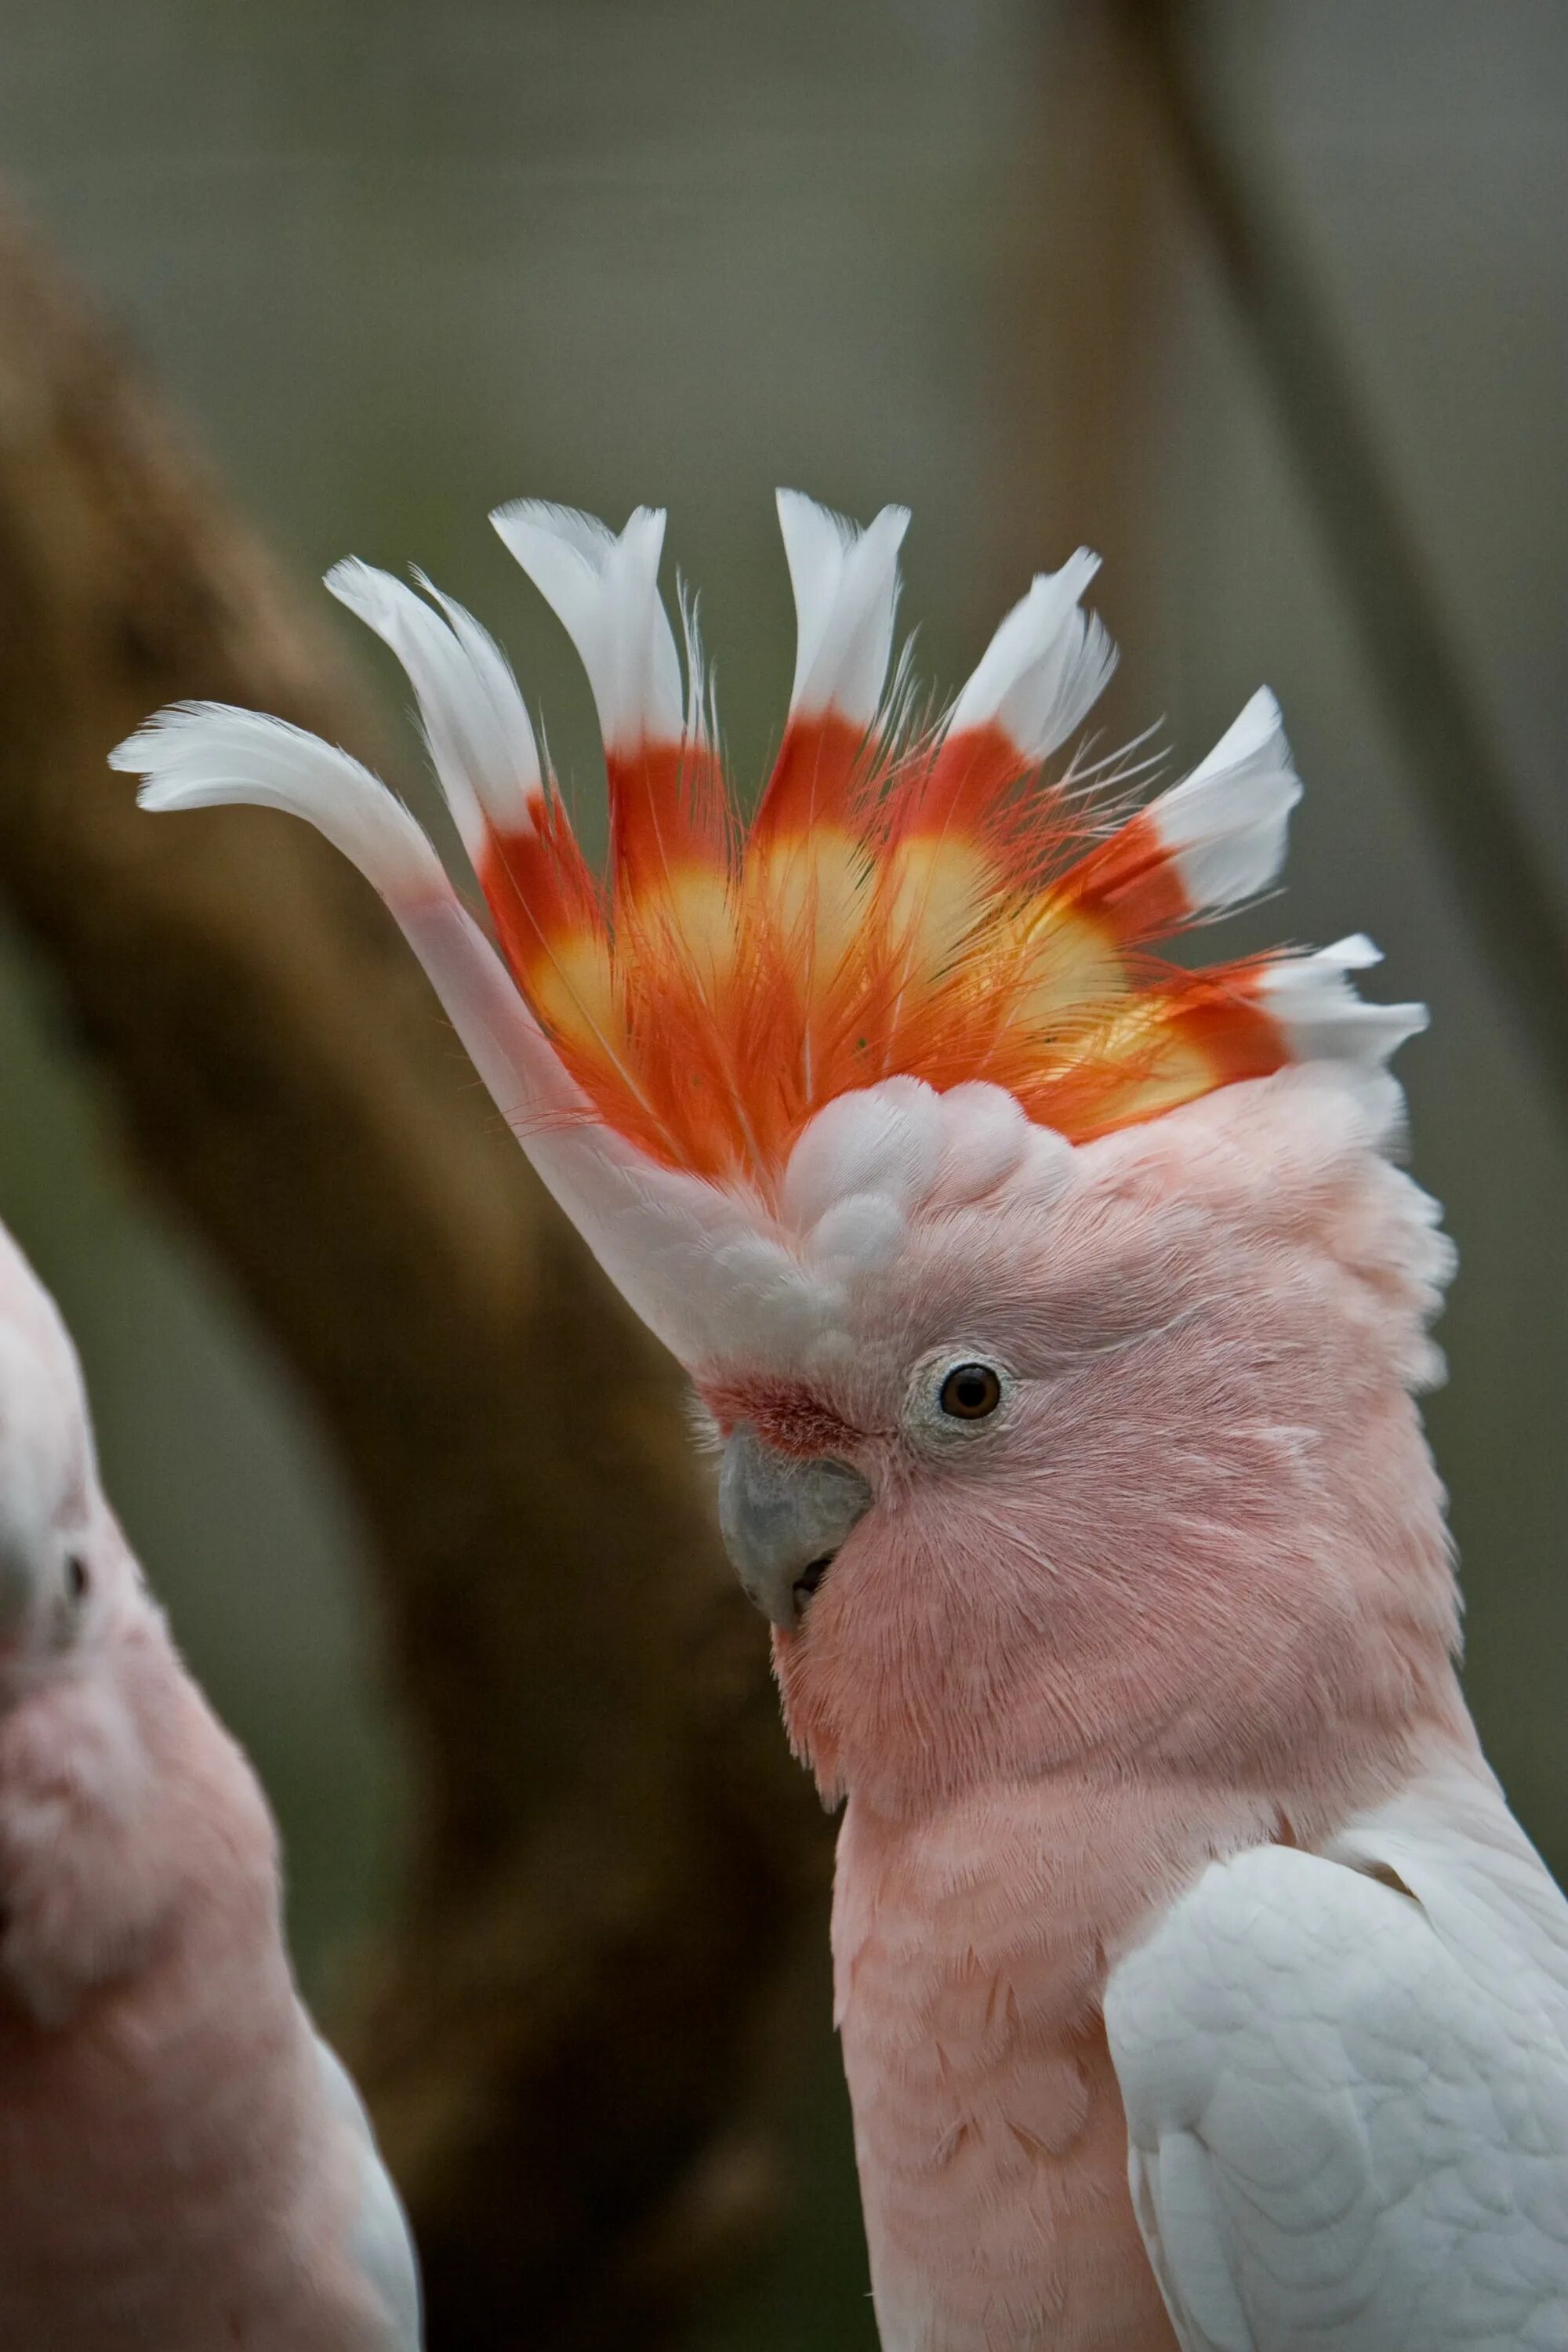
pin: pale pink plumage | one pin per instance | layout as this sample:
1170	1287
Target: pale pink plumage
180	2167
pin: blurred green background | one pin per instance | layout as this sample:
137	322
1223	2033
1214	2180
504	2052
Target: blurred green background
399	262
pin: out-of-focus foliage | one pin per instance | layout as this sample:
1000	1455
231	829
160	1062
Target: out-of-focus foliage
403	261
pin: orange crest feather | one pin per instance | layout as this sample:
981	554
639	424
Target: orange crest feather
941	908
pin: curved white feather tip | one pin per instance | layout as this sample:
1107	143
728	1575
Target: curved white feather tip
1323	1019
474	718
1225	824
1046	667
205	754
605	592
846	583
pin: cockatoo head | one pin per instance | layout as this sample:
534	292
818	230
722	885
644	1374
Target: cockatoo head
59	1550
1116	1445
1055	1305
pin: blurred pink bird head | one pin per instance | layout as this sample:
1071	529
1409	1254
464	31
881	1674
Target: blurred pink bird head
1136	1455
63	1565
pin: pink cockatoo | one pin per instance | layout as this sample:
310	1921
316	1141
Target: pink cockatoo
184	2165
1061	1313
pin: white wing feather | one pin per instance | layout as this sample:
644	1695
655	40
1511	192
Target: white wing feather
1348	2128
382	2244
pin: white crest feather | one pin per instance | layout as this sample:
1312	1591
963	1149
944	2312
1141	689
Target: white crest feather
871	1160
985	1140
1046	667
1324	1020
474	718
206	754
846	583
1226	823
885	1139
605	593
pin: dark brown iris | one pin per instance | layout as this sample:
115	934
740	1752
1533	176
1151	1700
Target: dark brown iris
971	1391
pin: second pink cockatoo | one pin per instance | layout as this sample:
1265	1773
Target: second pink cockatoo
184	2167
1061	1313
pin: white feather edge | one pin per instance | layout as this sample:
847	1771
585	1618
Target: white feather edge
382	2243
211	754
1226	823
603	590
1323	1019
475	721
846	585
905	1144
1045	668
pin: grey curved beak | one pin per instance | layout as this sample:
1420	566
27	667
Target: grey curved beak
783	1521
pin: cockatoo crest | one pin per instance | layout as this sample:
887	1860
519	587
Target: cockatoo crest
931	950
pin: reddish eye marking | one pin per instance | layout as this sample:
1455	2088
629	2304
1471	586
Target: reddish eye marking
784	1413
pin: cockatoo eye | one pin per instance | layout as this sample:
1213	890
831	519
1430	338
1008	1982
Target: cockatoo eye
957	1400
79	1578
971	1393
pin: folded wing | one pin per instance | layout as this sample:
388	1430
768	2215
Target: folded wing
1345	2132
382	2245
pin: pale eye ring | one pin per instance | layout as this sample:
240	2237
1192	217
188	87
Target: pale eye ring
970	1392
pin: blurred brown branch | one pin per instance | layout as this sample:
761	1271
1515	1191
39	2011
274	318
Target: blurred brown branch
611	1850
1496	869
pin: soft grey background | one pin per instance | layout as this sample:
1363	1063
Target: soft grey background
400	261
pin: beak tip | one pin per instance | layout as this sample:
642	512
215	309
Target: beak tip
784	1520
